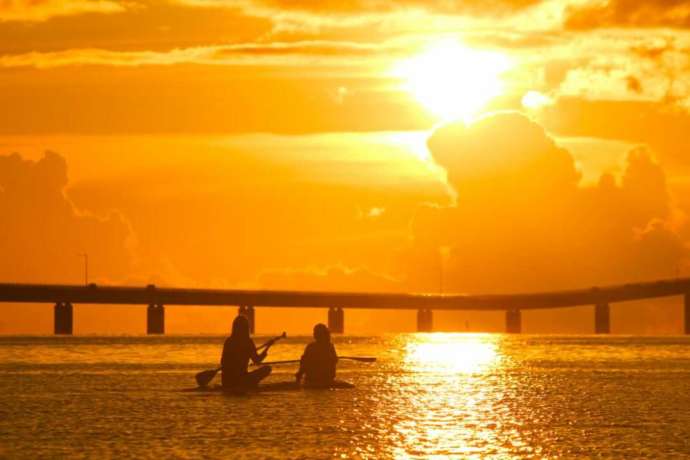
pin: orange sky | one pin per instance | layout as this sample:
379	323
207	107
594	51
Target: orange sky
345	145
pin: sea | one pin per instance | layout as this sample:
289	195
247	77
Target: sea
428	395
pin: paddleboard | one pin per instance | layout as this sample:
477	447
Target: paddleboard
271	387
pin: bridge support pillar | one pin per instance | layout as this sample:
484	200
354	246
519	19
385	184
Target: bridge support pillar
425	320
331	319
63	316
155	319
602	318
248	312
513	321
336	320
687	312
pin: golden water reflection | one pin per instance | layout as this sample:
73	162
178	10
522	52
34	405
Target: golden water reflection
428	396
455	398
455	353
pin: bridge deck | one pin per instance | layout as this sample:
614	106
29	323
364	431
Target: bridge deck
92	294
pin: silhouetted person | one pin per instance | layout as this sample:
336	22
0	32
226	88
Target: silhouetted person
319	359
239	348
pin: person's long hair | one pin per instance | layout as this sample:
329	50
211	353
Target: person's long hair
240	328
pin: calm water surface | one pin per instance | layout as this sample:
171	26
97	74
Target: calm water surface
429	395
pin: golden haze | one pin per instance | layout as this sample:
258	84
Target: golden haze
521	146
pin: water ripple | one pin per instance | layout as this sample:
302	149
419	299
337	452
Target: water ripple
428	396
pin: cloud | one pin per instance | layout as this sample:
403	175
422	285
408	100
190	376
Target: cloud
502	149
382	18
642	72
42	234
629	13
206	214
212	99
300	53
608	65
312	47
41	10
634	84
140	26
166	25
523	221
474	7
642	122
223	212
221	209
644	184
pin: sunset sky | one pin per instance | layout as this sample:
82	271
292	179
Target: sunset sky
384	145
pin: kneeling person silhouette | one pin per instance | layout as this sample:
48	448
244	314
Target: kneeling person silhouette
239	348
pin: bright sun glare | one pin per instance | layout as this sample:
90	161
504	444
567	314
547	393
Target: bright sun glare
456	353
452	80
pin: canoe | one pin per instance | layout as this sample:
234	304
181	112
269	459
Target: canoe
271	387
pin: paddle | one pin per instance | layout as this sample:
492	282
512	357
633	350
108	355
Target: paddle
363	359
203	378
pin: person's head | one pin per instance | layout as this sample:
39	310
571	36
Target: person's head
321	333
240	327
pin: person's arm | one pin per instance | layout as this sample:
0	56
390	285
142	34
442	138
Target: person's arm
302	365
257	358
300	371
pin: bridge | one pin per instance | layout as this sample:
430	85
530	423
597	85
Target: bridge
63	297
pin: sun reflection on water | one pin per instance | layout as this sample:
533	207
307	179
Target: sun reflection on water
453	353
455	400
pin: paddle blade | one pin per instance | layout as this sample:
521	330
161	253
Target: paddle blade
204	378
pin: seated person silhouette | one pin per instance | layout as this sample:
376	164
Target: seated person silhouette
319	360
239	348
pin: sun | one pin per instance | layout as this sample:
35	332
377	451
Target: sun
451	80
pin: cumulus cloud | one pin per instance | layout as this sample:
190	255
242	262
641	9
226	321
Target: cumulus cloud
42	234
523	221
502	149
